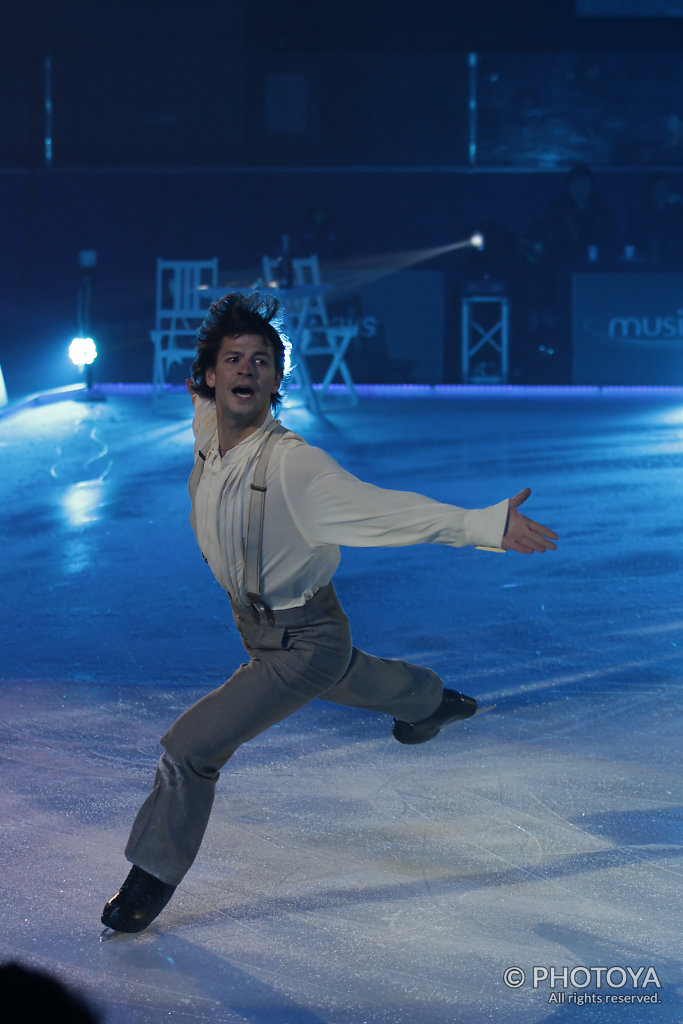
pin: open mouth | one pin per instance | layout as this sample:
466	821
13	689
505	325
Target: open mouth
243	391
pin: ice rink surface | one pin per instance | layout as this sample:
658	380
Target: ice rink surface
346	879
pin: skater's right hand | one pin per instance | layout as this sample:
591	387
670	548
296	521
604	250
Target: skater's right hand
524	535
189	384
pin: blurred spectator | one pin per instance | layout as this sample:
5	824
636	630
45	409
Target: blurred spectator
31	996
541	349
655	223
577	231
580	227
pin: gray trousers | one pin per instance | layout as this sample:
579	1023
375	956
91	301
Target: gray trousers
306	654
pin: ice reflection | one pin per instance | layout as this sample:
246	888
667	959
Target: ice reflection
82	502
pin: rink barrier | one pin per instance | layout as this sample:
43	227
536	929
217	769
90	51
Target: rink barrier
408	391
442	390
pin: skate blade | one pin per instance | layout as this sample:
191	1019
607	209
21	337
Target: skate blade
108	933
483	709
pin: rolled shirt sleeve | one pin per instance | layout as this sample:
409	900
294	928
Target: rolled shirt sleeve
203	423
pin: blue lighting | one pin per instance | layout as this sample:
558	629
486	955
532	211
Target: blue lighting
82	352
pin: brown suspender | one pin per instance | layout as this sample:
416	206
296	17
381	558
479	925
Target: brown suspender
254	542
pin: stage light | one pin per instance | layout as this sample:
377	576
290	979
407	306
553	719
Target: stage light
82	352
477	241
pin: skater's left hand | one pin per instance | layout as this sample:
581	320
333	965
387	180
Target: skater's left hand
524	535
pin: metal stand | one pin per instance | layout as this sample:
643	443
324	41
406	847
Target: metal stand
485	339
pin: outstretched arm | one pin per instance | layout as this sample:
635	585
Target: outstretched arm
331	506
524	535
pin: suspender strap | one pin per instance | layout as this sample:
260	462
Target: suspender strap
254	543
195	477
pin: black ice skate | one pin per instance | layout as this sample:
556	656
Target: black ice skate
140	899
454	707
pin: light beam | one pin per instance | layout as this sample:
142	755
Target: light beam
348	275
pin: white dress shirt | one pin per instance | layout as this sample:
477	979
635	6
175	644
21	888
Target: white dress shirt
312	506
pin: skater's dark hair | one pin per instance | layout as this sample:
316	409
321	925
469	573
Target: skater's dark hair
233	315
32	994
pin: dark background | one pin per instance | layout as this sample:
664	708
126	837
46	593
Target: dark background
190	130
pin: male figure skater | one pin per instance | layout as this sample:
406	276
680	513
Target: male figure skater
269	512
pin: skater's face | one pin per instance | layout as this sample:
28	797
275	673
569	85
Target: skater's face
245	377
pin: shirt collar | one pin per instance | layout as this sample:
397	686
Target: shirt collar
248	446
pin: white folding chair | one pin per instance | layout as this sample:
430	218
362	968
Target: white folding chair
182	301
320	337
312	334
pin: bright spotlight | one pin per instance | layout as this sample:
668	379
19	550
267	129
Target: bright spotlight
477	241
82	352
